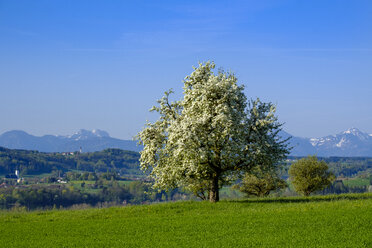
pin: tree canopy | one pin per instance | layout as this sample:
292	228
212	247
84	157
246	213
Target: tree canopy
309	175
210	137
260	183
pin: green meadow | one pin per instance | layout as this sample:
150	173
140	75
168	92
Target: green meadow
320	221
355	182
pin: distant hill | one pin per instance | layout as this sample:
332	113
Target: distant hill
89	141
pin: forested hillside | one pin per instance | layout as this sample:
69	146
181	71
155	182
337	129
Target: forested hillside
124	162
34	162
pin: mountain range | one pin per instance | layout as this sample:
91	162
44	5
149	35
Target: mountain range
350	143
88	141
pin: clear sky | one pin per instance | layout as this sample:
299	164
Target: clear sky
67	65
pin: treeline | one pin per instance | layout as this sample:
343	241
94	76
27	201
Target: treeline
34	162
338	187
341	166
70	176
349	167
63	196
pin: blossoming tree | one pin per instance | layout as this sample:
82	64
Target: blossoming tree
211	137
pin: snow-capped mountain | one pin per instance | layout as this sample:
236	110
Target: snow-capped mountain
89	141
300	146
351	142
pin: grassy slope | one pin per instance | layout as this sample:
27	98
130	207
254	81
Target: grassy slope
280	222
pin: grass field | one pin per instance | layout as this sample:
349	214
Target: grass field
327	221
356	182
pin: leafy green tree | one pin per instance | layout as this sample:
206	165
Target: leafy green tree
92	176
2	199
260	183
309	175
139	191
210	137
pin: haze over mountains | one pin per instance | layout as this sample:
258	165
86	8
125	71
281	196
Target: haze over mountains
89	141
350	143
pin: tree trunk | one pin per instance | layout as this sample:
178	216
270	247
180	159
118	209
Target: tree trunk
214	193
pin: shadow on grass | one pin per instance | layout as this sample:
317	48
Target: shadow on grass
326	198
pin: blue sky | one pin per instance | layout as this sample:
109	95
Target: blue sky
66	65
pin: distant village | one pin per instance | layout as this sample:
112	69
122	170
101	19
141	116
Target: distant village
14	176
